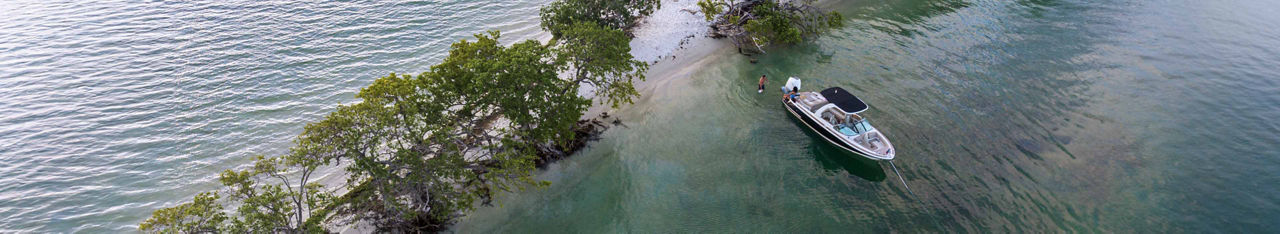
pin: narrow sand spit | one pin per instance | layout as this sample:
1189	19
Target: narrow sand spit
673	40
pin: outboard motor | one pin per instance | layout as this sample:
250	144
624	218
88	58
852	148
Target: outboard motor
792	82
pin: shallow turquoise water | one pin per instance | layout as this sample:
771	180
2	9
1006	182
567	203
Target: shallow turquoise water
1009	116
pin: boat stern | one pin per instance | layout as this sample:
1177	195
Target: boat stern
793	83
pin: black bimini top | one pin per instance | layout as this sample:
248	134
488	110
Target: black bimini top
844	100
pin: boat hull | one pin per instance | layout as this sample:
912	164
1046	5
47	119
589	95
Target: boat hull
829	136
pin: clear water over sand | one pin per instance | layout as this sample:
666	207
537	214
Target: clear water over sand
1009	116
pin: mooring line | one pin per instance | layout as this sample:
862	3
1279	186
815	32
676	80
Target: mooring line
904	181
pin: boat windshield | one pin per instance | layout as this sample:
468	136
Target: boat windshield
852	124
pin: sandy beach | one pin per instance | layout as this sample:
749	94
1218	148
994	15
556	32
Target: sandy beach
674	41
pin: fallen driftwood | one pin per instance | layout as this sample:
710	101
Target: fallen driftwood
585	131
732	24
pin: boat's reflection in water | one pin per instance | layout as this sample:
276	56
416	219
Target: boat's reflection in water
834	158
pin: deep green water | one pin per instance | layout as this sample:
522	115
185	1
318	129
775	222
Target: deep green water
1009	116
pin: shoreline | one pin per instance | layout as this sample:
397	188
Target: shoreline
673	40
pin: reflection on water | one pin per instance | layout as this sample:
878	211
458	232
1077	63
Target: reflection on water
904	18
833	158
836	159
112	109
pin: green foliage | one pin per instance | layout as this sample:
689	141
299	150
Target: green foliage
776	24
711	8
271	207
601	57
421	150
765	22
834	20
204	214
263	207
379	139
615	14
773	25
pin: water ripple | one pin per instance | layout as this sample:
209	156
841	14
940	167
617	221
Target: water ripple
1008	116
111	110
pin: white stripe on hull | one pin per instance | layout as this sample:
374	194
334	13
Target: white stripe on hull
824	137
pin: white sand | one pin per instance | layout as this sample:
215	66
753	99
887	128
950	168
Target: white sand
660	34
674	42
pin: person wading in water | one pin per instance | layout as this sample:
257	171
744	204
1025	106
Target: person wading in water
762	79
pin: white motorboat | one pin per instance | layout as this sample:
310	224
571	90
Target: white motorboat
833	113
